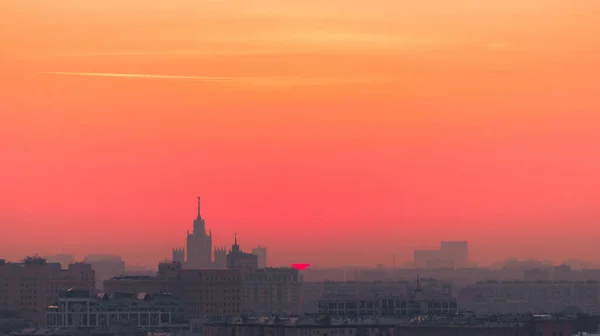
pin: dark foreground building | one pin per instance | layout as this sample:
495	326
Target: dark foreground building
464	326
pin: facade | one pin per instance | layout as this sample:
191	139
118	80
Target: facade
261	253
199	245
203	293
500	297
272	291
83	309
237	259
29	287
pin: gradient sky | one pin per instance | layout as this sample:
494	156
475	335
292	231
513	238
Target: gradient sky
333	132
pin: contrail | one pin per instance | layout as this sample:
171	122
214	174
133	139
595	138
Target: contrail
285	81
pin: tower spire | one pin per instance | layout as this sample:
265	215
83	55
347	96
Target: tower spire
198	206
235	238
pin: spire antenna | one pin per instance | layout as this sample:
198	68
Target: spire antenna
198	206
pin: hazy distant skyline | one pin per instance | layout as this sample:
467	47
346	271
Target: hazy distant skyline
365	132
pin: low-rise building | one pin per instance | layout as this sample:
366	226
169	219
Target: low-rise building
83	309
519	297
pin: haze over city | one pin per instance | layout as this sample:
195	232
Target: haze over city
333	137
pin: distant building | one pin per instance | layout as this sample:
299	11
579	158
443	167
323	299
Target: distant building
29	287
261	253
237	259
106	267
84	309
424	258
63	259
452	254
199	245
457	251
178	255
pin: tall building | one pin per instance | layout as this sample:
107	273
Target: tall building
261	253
199	245
457	251
178	255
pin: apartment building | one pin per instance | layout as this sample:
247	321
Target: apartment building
30	286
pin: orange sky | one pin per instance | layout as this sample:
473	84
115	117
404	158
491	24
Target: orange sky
365	128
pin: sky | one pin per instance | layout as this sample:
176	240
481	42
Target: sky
332	132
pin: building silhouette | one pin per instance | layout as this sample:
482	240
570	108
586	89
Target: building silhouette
199	245
261	253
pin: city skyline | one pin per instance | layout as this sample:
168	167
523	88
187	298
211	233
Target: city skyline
323	134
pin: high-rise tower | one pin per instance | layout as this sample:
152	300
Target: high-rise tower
199	244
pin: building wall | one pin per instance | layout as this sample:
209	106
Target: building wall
495	297
272	290
204	293
31	286
245	262
214	292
